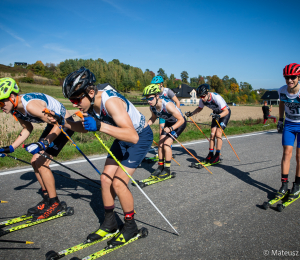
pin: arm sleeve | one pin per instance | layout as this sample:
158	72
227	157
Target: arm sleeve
170	94
201	105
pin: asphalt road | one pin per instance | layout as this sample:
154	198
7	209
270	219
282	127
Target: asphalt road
218	216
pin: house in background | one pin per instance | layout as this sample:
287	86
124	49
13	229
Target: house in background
21	64
271	97
186	95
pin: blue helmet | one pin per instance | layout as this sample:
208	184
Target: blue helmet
157	79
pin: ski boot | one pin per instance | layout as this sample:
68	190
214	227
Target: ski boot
52	210
215	159
295	192
109	225
282	191
40	207
157	171
128	231
164	173
208	157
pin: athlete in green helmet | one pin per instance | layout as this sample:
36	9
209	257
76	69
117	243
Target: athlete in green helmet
175	123
27	109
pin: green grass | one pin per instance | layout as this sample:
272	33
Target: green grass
91	146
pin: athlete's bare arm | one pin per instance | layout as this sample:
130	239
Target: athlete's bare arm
125	130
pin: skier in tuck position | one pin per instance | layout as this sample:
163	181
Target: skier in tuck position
111	113
290	104
27	109
175	123
221	113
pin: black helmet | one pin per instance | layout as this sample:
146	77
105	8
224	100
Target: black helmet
202	90
82	76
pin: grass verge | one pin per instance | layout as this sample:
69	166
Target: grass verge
91	146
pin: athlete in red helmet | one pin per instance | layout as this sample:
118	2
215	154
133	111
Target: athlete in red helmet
289	95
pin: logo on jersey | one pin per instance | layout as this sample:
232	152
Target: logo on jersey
103	112
222	124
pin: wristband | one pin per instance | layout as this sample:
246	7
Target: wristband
281	119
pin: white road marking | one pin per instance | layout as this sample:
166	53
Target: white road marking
104	157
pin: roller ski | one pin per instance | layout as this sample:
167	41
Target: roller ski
292	197
30	212
107	230
38	219
281	193
127	235
52	255
151	159
200	166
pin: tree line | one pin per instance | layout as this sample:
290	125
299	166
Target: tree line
126	78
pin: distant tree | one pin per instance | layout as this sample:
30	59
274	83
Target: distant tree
244	98
152	74
217	84
234	87
10	64
184	76
162	73
201	80
29	74
116	61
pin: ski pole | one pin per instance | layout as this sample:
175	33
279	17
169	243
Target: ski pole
196	123
16	241
47	111
226	138
3	201
201	131
79	114
190	153
45	156
172	157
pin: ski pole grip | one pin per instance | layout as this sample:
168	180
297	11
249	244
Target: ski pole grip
79	114
46	111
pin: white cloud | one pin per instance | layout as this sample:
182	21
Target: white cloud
14	35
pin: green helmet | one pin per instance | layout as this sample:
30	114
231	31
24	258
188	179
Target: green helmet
8	86
151	90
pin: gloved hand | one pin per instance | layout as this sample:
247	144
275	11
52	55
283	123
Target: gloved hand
91	124
174	134
7	149
216	116
2	154
188	114
37	147
280	125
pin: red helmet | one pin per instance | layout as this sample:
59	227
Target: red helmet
291	69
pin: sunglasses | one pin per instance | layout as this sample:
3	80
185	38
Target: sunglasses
150	98
76	101
203	96
293	77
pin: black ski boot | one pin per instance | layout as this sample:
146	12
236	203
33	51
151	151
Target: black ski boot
208	157
108	226
215	158
128	231
282	191
157	171
40	207
295	192
164	173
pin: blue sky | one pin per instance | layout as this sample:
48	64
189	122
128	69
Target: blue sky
249	40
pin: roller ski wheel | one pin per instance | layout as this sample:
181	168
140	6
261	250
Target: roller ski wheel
280	207
70	211
52	255
266	205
